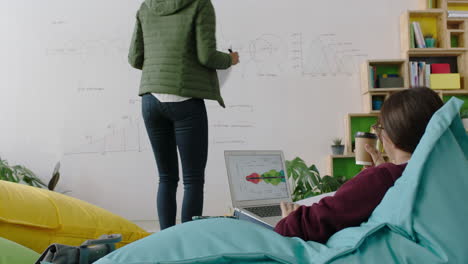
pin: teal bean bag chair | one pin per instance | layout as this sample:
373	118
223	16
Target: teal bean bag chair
422	219
13	253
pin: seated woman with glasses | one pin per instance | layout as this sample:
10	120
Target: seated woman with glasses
401	125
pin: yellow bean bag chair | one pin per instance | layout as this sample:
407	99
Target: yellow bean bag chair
36	218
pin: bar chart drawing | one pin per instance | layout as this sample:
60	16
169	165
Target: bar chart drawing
128	138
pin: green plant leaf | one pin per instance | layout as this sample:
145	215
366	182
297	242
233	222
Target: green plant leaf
307	181
314	169
315	179
19	174
309	194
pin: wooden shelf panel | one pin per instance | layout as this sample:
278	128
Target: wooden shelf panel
383	90
456	31
427	12
456	19
389	61
453	92
436	52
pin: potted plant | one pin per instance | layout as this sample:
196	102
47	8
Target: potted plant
337	147
23	175
464	117
305	181
429	40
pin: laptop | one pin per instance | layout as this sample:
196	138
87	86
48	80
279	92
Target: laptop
258	184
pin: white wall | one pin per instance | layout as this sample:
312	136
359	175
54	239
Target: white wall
65	88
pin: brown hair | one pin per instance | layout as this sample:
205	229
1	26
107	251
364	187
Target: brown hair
405	115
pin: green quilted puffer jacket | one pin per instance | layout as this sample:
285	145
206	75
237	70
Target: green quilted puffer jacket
174	44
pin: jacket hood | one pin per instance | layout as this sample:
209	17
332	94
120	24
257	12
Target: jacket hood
167	7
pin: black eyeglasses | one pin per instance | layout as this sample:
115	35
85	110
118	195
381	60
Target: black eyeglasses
377	128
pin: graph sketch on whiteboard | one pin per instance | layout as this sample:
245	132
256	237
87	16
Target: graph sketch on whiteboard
325	55
125	135
129	138
266	56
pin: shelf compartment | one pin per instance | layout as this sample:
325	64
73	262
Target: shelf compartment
374	70
455	23
343	165
373	101
457	38
455	62
457	5
432	21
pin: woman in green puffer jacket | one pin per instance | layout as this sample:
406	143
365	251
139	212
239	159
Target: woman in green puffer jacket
174	44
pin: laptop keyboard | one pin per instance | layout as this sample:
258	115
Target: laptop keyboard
266	211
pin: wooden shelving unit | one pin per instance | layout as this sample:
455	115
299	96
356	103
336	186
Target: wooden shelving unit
447	31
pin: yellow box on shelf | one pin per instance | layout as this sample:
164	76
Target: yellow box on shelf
442	81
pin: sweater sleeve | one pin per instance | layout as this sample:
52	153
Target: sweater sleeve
137	51
351	205
206	39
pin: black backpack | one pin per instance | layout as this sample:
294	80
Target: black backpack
89	252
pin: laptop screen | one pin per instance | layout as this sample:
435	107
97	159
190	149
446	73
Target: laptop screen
257	177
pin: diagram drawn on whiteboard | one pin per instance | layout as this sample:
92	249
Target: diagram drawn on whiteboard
125	135
325	55
266	56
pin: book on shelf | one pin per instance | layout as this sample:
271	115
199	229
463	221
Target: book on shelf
428	76
413	75
418	35
430	4
420	72
457	14
441	68
372	77
412	38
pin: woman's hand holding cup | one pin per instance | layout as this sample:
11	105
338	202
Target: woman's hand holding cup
376	155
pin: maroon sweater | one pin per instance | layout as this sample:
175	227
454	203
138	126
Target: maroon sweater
351	205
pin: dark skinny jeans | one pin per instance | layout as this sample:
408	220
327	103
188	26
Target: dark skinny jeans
183	126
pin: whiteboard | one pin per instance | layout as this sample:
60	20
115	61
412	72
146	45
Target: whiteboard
69	95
